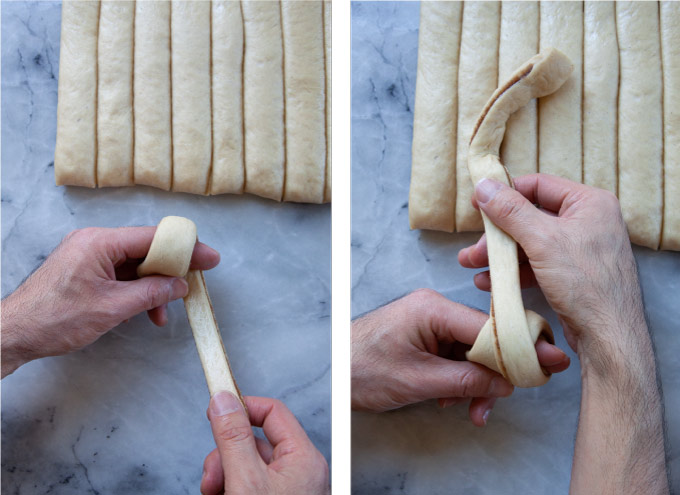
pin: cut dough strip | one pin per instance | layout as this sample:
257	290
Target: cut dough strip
152	107
477	80
76	149
640	121
600	94
170	254
519	150
511	332
559	115
263	99
114	94
227	102
670	49
432	196
327	67
302	24
191	120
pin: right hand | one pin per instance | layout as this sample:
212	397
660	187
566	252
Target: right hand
286	464
575	247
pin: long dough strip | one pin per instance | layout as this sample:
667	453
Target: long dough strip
227	103
152	108
327	194
302	24
559	115
511	331
432	197
477	80
191	120
170	254
75	153
263	99
519	150
600	94
114	94
640	121
670	49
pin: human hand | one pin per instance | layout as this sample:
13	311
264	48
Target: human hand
288	463
413	349
575	247
87	286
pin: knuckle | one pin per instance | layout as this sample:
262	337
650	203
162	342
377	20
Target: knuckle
422	295
507	208
156	295
231	433
471	383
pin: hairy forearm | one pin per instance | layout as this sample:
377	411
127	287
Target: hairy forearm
620	439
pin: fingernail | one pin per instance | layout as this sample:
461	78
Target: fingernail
486	189
499	387
224	403
444	403
558	360
485	416
180	288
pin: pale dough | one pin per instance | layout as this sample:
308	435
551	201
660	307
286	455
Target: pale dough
304	82
76	149
170	255
559	115
191	119
512	331
670	49
152	95
227	98
640	121
327	69
114	94
600	95
432	195
263	99
519	150
477	80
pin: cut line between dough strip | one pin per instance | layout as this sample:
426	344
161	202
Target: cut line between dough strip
507	340
170	254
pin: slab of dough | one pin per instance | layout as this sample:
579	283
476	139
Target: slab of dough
170	254
640	121
114	94
600	95
263	99
519	150
477	80
304	82
327	194
76	149
670	49
228	171
191	118
559	115
512	331
152	98
432	196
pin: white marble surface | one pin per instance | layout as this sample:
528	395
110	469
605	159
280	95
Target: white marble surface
527	446
127	414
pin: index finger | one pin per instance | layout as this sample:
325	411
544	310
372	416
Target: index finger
277	422
134	243
454	322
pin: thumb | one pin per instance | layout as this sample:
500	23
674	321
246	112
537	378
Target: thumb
509	210
135	296
233	436
447	378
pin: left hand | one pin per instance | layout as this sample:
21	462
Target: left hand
87	286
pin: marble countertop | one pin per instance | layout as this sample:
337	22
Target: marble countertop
528	444
127	414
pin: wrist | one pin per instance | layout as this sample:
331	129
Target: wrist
13	349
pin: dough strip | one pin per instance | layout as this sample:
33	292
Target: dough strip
506	342
170	254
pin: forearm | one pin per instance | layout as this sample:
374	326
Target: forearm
620	441
12	352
